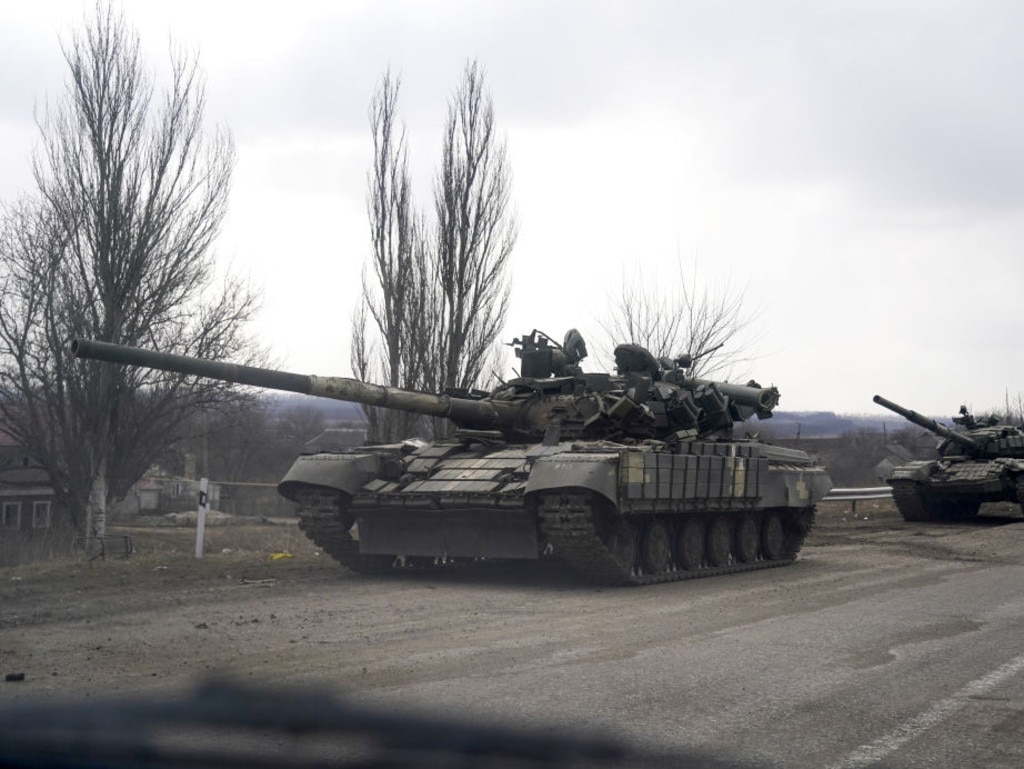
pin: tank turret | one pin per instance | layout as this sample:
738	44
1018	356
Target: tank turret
553	400
631	478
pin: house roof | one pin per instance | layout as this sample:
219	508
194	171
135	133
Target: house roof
19	475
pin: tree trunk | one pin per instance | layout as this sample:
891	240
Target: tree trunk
96	516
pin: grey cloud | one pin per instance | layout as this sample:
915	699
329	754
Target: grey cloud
912	104
913	107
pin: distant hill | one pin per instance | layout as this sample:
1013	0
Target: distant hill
827	424
332	410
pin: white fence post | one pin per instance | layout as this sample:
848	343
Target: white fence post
204	506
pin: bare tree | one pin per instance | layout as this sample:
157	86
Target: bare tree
252	438
402	300
115	245
297	425
681	319
645	316
231	441
437	312
1014	408
476	232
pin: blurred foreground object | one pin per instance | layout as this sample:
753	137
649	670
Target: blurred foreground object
224	724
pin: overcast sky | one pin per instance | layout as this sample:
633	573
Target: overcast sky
855	167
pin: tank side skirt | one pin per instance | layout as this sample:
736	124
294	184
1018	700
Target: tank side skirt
466	531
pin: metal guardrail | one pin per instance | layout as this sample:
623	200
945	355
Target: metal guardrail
853	496
847	495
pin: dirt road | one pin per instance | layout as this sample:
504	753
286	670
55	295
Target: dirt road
721	664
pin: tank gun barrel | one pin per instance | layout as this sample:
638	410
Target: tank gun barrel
928	424
480	414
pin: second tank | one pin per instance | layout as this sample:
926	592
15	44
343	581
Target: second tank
979	462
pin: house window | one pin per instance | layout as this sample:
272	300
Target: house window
11	515
40	515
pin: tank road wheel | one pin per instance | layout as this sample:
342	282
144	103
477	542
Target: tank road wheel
655	548
621	543
773	538
719	541
747	537
690	544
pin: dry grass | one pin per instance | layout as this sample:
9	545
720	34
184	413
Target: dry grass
164	564
259	538
241	540
35	546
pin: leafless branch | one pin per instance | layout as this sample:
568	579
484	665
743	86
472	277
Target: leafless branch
681	316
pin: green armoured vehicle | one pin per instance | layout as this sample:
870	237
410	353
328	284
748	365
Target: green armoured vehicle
630	478
981	462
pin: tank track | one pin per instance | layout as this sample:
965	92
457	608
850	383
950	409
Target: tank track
322	519
569	523
915	507
908	501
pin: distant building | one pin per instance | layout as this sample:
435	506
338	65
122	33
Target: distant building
895	456
161	492
26	494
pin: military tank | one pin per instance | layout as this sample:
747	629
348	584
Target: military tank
631	478
981	462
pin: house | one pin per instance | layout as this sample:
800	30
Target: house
895	456
26	495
